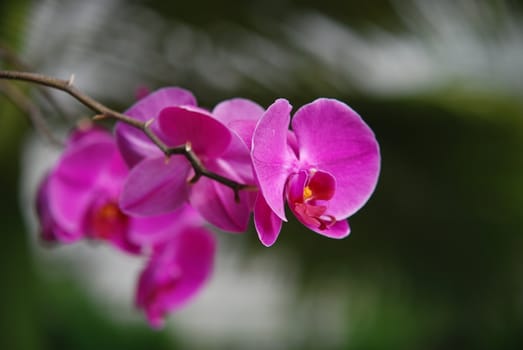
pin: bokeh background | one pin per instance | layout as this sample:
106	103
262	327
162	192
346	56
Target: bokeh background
435	259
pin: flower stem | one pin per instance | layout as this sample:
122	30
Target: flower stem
105	112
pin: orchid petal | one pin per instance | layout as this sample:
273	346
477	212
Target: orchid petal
154	230
244	129
240	115
73	183
235	163
334	138
340	229
155	186
132	142
175	273
207	136
268	225
48	230
134	145
111	178
294	187
151	105
237	109
271	156
216	203
89	134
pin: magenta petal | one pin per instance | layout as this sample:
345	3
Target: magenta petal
208	137
338	230
271	156
175	273
294	187
240	115
154	230
121	241
216	203
244	129
83	162
237	109
89	134
133	143
151	105
90	168
334	138
156	186
48	229
74	182
115	173
268	225
66	213
235	163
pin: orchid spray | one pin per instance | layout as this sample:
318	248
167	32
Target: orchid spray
172	170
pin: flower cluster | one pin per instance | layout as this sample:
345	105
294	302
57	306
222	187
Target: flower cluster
126	191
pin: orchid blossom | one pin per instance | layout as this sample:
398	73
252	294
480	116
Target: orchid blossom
325	168
137	192
79	199
158	185
174	274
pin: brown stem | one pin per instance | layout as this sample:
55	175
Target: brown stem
105	112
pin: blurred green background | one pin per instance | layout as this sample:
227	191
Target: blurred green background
435	259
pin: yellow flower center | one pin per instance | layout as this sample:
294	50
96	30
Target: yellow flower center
307	193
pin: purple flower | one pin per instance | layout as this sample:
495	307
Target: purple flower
158	185
79	198
326	168
174	274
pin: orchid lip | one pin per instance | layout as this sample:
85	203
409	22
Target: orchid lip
107	220
308	195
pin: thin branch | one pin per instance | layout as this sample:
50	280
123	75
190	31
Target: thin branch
27	106
106	112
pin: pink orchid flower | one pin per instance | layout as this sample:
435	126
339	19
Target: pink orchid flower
79	198
157	185
175	273
326	168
